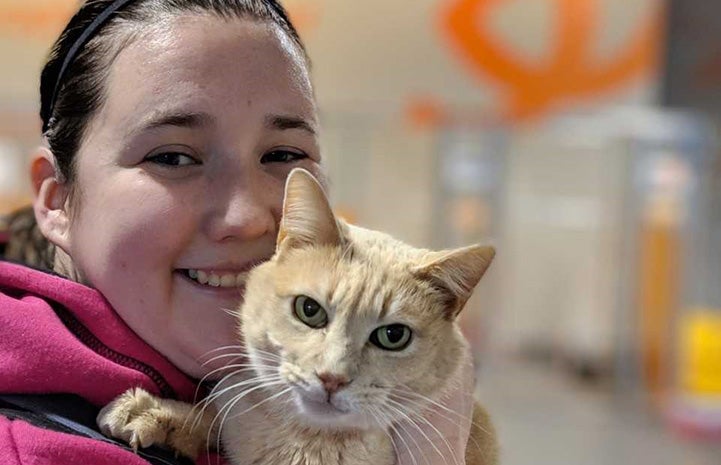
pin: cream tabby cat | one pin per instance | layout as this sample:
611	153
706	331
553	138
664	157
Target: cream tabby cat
347	332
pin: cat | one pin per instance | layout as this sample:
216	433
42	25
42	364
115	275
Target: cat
346	332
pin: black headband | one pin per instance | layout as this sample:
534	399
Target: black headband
90	31
77	46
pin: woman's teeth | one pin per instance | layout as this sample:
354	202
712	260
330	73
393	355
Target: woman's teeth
218	280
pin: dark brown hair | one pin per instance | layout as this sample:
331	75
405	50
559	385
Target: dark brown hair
70	97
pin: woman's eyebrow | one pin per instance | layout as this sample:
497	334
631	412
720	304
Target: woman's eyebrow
283	122
177	118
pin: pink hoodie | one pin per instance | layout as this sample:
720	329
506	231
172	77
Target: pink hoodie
57	336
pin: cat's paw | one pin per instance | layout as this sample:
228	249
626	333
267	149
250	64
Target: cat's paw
114	419
143	420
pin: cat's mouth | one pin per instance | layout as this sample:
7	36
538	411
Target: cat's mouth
215	279
318	408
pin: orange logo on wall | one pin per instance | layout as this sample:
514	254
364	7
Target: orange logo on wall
568	70
36	19
44	19
304	15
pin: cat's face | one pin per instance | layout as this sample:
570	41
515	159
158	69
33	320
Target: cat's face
353	339
355	329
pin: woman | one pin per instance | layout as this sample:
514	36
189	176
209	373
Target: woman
170	126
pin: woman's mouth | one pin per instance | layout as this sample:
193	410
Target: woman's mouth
216	279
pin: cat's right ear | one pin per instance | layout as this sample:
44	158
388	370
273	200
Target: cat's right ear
455	273
307	216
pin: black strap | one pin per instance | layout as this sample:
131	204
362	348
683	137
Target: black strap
71	414
87	34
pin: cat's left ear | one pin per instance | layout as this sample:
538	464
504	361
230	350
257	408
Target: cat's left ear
456	273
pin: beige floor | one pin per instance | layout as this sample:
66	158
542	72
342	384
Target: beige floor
545	418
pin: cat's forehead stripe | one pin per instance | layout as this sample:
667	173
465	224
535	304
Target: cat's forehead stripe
386	304
361	287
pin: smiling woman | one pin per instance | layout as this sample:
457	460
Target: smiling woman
170	127
193	162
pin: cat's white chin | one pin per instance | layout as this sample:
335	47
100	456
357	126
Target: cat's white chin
323	414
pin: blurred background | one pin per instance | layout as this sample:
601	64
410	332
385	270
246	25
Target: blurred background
581	137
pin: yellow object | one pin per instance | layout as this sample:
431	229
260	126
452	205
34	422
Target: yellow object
658	294
700	367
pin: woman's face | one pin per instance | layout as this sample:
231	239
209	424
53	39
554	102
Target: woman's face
180	178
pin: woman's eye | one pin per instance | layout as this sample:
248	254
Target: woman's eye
392	337
172	159
310	312
282	156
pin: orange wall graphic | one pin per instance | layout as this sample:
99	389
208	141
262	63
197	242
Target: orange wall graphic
41	20
304	15
568	71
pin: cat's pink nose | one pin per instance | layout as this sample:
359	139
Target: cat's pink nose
332	383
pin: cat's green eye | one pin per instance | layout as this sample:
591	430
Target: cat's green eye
392	337
310	312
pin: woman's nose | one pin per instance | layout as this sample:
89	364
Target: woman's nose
243	212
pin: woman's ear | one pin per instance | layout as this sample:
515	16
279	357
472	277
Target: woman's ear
51	195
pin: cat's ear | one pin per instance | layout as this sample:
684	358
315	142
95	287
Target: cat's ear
307	216
455	273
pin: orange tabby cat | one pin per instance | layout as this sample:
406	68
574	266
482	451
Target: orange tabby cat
347	331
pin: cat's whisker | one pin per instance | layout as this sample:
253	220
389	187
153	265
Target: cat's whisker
198	411
265	362
207	401
244	346
423	406
393	430
412	438
244	366
270	355
430	402
378	417
200	407
231	311
395	448
218	349
400	412
252	381
267	399
347	250
262	357
225	409
242	351
450	420
410	422
218	357
442	437
456	422
256	383
226	377
434	428
218	370
220	426
231	376
415	443
410	395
